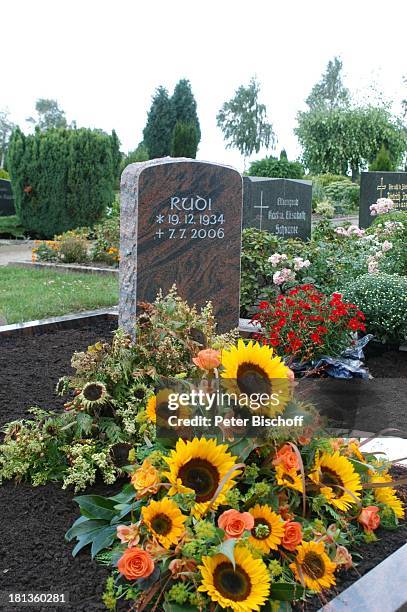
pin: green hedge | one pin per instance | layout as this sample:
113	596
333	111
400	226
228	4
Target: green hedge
62	178
272	167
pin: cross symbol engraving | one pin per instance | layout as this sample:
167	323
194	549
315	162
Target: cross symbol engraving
381	187
261	208
160	233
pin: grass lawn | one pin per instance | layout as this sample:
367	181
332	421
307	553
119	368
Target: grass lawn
27	295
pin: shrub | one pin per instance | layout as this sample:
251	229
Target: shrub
73	249
276	168
62	178
107	241
4	174
325	209
343	194
383	299
306	324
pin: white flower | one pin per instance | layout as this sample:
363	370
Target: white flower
283	276
386	246
300	263
373	266
383	205
277	258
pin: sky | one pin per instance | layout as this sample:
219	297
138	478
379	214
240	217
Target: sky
103	60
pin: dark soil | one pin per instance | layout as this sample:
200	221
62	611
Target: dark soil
34	520
388	364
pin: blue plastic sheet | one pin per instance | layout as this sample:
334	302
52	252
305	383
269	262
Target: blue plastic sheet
348	365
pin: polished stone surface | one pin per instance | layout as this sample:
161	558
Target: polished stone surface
280	206
374	185
6	199
383	589
181	223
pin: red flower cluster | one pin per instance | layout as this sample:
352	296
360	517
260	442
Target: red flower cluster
306	323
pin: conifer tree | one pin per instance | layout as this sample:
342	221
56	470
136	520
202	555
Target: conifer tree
160	125
185	105
185	140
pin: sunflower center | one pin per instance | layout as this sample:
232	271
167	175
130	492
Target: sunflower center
251	378
313	565
161	524
235	584
329	478
261	529
139	394
201	476
93	392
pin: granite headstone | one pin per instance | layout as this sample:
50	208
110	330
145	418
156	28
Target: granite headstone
6	199
374	185
181	223
280	206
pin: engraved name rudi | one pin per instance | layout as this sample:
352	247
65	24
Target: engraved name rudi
190	217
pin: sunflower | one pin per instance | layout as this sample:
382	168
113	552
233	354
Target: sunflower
151	409
289	478
165	521
313	566
199	466
268	529
252	369
387	496
338	481
93	394
138	392
242	588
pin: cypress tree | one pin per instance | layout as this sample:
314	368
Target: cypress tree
184	105
185	140
160	125
62	178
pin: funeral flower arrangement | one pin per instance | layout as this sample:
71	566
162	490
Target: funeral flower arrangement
210	523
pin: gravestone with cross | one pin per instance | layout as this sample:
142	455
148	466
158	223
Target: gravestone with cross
6	199
280	206
374	185
181	223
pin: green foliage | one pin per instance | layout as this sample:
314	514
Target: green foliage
73	248
383	299
344	139
329	92
184	105
10	227
107	241
6	129
344	195
185	140
49	115
382	161
62	178
139	154
243	121
276	168
4	174
160	125
325	209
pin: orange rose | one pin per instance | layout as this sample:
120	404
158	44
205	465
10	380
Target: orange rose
292	535
146	478
369	518
208	359
135	563
286	457
234	523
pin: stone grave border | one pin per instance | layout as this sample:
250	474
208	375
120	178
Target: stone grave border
75	320
63	267
383	585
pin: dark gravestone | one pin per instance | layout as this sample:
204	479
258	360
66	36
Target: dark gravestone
181	223
280	206
6	199
374	185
